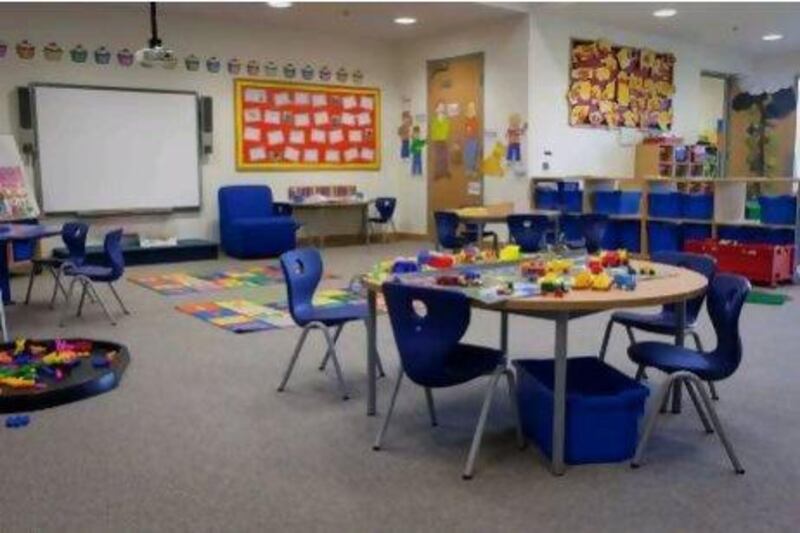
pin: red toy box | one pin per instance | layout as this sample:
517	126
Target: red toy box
767	264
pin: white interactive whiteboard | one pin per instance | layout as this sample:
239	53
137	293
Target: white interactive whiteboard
109	149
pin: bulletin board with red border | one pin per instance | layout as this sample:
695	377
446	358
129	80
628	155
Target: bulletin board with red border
303	126
613	86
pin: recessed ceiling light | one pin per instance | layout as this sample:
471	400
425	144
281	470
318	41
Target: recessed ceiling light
772	37
279	5
665	13
405	21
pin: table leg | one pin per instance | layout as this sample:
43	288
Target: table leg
560	393
680	315
4	276
372	350
365	224
479	229
504	332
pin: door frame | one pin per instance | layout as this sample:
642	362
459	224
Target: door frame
723	161
429	113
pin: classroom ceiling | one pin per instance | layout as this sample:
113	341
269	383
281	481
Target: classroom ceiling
362	19
733	25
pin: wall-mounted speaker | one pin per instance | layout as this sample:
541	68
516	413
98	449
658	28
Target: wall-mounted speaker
25	108
207	124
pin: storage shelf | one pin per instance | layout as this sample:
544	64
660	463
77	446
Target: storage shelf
753	224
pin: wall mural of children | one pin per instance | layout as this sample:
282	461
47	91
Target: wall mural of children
415	148
404	131
439	135
516	130
471	144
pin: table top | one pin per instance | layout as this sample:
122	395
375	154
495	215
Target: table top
331	203
673	284
22	232
488	218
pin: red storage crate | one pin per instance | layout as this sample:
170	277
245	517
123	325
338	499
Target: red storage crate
767	264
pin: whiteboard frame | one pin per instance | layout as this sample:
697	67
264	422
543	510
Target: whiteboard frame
99	213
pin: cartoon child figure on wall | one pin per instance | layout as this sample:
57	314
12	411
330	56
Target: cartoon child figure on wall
516	130
404	131
471	145
415	147
440	134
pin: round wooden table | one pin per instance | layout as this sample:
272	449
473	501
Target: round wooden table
672	284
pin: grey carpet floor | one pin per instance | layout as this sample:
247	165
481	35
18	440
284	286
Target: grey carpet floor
196	437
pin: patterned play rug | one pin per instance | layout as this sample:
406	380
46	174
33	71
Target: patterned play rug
242	316
181	283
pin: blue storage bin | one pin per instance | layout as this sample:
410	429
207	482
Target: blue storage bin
697	206
607	202
602	415
664	204
547	198
778	236
571	227
564	186
778	209
695	232
629	235
629	202
572	201
663	237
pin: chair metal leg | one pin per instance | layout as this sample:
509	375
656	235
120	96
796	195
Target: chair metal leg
93	291
712	413
629	331
336	333
119	300
639	373
469	468
606	338
699	408
336	366
30	285
299	346
57	286
3	319
650	422
699	344
64	314
80	302
512	396
382	433
431	406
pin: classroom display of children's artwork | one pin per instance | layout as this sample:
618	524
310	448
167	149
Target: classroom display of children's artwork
16	200
615	86
299	126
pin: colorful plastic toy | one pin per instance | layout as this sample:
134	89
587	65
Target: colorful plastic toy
602	282
510	252
559	266
17	421
583	280
404	266
533	268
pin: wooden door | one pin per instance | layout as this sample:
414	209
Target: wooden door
455	134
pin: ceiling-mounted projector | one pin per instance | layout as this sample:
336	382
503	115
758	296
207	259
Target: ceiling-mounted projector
155	54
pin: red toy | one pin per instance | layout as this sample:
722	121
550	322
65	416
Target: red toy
767	264
441	261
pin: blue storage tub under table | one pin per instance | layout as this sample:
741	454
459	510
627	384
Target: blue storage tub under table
603	407
664	204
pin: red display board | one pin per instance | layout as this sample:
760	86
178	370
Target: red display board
301	126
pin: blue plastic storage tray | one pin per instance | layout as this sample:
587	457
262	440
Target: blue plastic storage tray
697	206
663	237
778	209
603	409
664	204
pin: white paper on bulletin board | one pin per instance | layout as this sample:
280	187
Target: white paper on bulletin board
16	198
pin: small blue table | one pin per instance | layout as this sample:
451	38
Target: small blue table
18	232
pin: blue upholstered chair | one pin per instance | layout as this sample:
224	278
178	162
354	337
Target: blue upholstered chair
302	270
447	235
726	296
385	207
665	322
250	226
428	326
74	236
528	231
87	275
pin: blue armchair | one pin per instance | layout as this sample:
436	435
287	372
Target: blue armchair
251	226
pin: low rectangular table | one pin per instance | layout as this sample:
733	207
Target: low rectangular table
336	206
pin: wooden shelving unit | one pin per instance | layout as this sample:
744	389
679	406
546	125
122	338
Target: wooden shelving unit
671	160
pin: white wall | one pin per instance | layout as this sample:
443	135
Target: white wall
595	151
712	104
120	26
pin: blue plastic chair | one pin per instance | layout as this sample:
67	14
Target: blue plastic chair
528	231
665	322
470	234
594	227
385	206
74	236
447	231
726	297
302	269
428	325
87	275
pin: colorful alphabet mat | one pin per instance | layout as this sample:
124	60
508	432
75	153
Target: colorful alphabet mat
181	283
242	316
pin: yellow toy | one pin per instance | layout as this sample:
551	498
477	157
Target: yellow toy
17	383
583	280
602	282
510	252
19	346
559	266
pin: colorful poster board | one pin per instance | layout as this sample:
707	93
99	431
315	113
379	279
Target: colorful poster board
301	126
16	200
612	86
